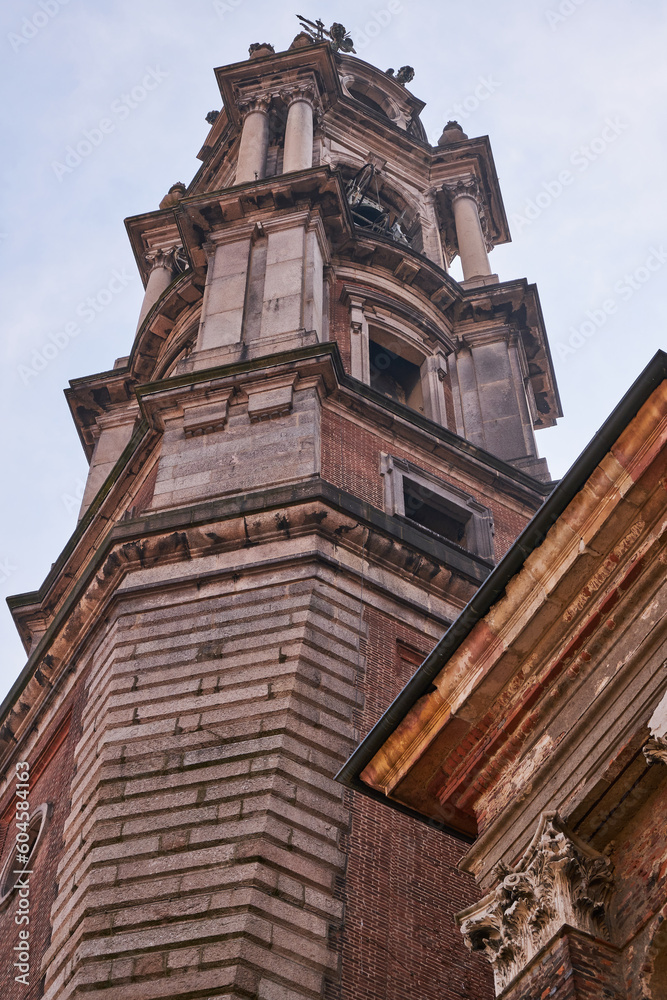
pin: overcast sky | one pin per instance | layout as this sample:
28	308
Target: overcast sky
572	95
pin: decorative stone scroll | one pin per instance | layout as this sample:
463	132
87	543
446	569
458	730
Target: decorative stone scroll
559	880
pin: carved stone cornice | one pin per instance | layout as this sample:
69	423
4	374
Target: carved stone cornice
173	258
559	880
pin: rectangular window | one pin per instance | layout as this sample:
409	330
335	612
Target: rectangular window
438	506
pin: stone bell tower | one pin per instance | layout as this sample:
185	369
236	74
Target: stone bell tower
316	450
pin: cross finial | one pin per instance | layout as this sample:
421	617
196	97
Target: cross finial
337	34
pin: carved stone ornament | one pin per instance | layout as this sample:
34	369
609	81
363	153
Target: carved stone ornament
173	258
254	102
559	880
655	750
299	92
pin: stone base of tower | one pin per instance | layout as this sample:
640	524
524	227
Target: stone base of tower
205	847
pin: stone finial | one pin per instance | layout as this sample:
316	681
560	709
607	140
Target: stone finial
559	880
301	40
405	75
452	132
174	195
259	49
212	117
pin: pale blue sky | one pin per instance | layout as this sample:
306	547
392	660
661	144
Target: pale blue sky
576	90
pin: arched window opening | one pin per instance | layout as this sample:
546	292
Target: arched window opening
395	376
367	101
12	868
395	369
376	211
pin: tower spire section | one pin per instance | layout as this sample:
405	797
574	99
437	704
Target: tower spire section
311	458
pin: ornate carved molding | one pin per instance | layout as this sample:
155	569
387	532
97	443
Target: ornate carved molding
655	750
559	880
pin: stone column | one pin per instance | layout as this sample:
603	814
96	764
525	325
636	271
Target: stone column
299	128
164	265
469	232
251	164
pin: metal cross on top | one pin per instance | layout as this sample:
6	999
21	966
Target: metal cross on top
337	34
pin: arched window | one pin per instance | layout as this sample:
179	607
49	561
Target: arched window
398	358
11	870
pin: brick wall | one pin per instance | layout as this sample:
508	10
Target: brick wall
351	460
573	966
51	764
402	887
639	904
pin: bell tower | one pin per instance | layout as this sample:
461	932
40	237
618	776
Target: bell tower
318	446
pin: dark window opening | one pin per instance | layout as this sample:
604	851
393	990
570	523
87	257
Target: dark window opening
395	377
367	101
435	513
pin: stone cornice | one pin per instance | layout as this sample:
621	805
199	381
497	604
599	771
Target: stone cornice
314	62
154	540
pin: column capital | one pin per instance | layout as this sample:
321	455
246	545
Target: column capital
559	880
463	187
253	103
172	258
304	91
470	187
